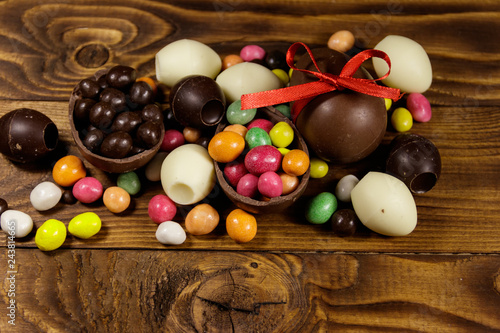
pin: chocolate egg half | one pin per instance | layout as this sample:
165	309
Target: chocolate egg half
415	160
27	135
342	126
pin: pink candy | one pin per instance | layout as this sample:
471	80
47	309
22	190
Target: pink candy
265	124
234	171
251	52
87	190
172	139
270	184
262	159
419	107
248	185
161	208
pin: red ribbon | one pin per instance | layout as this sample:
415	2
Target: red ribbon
327	82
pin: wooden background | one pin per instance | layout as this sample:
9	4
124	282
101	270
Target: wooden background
293	277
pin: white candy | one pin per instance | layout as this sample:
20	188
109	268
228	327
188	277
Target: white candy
45	196
153	168
170	233
384	204
345	186
246	78
16	223
186	57
411	69
188	174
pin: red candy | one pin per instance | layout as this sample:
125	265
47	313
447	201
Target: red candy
262	159
265	124
161	208
87	190
234	171
172	139
248	185
270	184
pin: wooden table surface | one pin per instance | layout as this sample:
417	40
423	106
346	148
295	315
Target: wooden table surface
294	276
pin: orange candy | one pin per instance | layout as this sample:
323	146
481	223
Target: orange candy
226	146
202	220
241	226
237	128
290	183
116	199
230	60
68	170
295	162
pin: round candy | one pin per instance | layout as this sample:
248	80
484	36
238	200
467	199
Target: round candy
141	93
276	59
16	223
419	107
342	41
295	162
68	170
116	199
226	146
321	208
345	186
87	190
51	235
257	137
153	168
319	168
344	222
282	75
270	184
237	128
121	76
235	115
161	208
171	140
230	60
130	182
101	115
45	196
152	84
68	197
149	134
281	134
251	52
241	226
233	171
284	109
89	88
284	151
152	112
265	124
202	219
126	121
248	185
401	120
85	225
263	158
116	145
170	233
290	183
388	103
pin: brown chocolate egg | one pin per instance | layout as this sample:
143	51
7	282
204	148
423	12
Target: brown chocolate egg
342	126
415	160
27	135
197	101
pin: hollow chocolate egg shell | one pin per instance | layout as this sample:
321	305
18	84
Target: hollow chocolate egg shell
27	135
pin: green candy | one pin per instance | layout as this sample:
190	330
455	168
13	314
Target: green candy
284	109
235	115
257	137
321	208
130	182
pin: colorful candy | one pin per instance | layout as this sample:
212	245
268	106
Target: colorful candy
237	128
401	120
45	196
419	107
171	140
319	168
341	41
295	162
226	146
170	233
251	52
265	124
202	219
230	60
290	183
270	184
321	208
345	186
233	171
161	208
116	199
85	225
248	185
282	75
130	182
16	223
191	134
51	235
281	134
263	158
241	226
257	137
235	115
87	190
68	170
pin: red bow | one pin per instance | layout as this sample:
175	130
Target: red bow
303	93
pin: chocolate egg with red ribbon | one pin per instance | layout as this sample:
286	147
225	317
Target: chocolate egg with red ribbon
342	126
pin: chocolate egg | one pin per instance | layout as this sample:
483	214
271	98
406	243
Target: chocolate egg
415	160
197	101
27	135
342	126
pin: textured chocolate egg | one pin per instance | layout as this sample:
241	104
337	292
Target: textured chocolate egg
415	160
27	135
342	126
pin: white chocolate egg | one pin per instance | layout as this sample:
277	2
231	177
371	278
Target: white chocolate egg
384	204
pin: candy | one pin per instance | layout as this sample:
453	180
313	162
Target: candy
89	88
121	76
265	124
342	41
263	158
284	151
68	197
282	75
321	208
141	93
161	208
101	115
170	233
130	182
230	60
188	174
3	205
235	115
419	107
233	171
149	134
186	57
152	84
226	146
295	162
401	120
93	139
284	109
241	226
411	69
252	52
281	134
51	235
45	196
16	223
115	98
191	134
290	183
87	190
270	184
116	145
388	103
276	59
153	168
344	222
68	170
116	199
248	185
171	140
257	137
152	112
345	186
85	225
237	128
384	204
246	78
202	219
319	168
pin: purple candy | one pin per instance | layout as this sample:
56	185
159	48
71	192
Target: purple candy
270	184
87	190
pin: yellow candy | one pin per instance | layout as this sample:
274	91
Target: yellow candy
401	120
282	75
281	134
319	168
51	235
85	225
283	151
388	103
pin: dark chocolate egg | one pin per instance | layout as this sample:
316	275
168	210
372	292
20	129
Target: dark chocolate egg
197	101
342	126
27	135
415	160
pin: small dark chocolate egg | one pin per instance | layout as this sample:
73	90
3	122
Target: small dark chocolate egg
197	101
89	88
152	112
101	115
82	111
115	97
93	139
141	93
121	77
415	160
27	135
344	222
126	121
149	133
116	145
